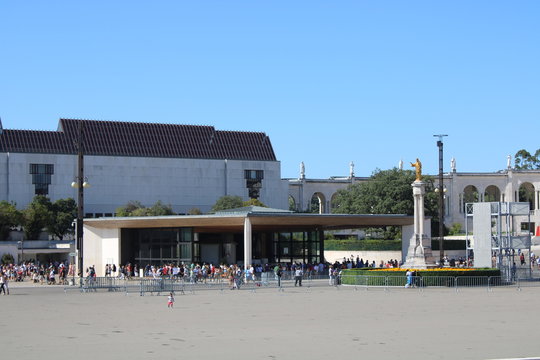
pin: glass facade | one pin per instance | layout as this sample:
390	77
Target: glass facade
158	246
297	247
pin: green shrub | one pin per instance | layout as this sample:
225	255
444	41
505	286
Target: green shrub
362	245
455	229
7	259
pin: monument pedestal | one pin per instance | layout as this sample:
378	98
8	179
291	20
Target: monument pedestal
419	255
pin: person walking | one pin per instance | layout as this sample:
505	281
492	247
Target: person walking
278	274
409	276
170	301
298	273
2	286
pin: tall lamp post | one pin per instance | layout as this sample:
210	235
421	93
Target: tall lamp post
80	183
441	190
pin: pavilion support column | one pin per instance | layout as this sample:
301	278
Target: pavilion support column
248	241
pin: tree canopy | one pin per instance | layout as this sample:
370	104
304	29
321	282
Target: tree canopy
253	202
36	217
9	217
524	160
385	192
63	212
234	201
56	218
228	202
135	208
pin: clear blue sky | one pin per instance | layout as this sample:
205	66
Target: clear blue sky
329	81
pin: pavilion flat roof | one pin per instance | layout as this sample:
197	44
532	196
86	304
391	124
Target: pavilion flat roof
234	222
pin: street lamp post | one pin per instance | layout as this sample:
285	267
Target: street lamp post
80	184
440	189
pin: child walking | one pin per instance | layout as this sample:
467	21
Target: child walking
170	300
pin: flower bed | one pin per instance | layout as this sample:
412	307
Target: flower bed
424	272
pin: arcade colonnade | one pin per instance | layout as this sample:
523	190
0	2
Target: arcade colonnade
508	185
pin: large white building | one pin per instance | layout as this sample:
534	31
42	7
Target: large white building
185	166
190	167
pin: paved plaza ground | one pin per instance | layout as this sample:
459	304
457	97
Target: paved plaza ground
300	323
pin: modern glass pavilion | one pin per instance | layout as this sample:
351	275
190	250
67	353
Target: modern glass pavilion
244	236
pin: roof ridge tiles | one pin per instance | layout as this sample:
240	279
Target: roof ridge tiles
137	139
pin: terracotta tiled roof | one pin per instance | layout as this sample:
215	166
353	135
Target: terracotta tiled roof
112	138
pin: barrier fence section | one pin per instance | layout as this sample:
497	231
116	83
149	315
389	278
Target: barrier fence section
161	285
189	284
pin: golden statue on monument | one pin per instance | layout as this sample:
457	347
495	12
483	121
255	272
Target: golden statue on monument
418	166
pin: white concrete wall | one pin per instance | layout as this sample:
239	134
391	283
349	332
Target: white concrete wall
10	249
100	247
182	183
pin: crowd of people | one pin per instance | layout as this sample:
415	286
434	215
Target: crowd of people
234	274
51	274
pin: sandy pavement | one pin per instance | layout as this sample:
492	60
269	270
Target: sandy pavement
299	323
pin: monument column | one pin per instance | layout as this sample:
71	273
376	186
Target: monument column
419	250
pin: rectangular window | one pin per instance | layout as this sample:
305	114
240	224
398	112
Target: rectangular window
41	177
254	182
253	174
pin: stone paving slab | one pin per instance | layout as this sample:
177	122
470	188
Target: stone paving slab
299	323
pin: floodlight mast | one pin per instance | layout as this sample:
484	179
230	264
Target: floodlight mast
441	199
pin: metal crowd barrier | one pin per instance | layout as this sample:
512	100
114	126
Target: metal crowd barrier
189	285
267	280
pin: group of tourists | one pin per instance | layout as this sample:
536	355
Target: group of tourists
534	260
53	273
357	263
124	271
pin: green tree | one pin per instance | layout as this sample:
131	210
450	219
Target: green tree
129	208
228	202
159	209
253	202
194	211
385	192
36	217
135	208
7	259
63	213
9	217
523	160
